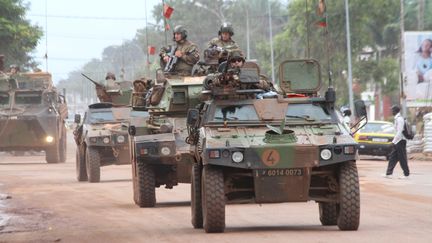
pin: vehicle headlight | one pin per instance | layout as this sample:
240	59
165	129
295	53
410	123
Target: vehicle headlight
106	140
349	149
120	139
49	139
165	151
326	154
93	139
237	157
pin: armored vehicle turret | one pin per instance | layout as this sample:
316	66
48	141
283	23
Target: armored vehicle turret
32	115
289	148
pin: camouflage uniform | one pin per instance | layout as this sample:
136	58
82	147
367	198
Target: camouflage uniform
190	56
224	44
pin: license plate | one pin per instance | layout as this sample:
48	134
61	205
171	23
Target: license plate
380	140
279	172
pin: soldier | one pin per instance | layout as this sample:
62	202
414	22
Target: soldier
219	46
139	92
13	69
186	53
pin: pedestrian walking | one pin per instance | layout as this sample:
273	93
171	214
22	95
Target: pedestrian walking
398	153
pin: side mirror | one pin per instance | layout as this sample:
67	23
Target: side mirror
132	130
192	117
77	118
360	108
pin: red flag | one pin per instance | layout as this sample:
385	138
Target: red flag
322	13
151	50
167	27
167	11
322	22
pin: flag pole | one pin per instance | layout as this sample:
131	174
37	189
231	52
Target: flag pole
147	41
165	23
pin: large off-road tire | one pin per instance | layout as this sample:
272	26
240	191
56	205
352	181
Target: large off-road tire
213	199
349	198
146	185
62	146
81	170
328	213
52	154
196	202
92	160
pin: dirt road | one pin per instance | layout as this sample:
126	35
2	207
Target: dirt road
49	205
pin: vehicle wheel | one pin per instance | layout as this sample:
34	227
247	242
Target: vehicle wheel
328	213
92	161
146	186
196	203
213	199
62	148
349	197
81	170
52	154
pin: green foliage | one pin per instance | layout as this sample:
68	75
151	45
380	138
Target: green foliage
17	35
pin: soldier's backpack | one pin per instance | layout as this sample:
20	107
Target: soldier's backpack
407	130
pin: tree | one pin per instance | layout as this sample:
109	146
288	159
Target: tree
18	37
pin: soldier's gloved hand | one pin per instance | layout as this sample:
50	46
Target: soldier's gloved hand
178	54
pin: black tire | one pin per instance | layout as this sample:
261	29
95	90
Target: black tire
349	197
146	185
213	199
92	160
62	146
52	154
328	213
81	170
196	203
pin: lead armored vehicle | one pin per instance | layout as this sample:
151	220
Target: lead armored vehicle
32	115
289	148
160	155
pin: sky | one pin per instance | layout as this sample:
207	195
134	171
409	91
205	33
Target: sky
76	31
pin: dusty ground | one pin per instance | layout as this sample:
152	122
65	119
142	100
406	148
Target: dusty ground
49	205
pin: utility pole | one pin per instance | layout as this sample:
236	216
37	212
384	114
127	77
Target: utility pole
402	59
348	38
247	33
420	16
271	42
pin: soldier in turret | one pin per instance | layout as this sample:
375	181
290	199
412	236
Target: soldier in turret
219	46
180	58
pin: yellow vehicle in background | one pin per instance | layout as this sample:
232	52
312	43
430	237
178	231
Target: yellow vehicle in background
375	138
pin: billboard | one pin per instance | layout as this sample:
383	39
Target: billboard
418	68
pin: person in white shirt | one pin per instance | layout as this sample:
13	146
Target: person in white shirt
398	153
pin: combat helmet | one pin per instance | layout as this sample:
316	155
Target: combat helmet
180	29
226	27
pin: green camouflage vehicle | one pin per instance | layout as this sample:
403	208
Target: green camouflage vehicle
102	135
32	115
289	148
102	139
160	155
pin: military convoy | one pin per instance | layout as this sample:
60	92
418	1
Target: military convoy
32	115
296	151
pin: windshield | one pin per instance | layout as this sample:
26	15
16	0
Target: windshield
307	111
28	98
4	98
248	113
371	127
101	116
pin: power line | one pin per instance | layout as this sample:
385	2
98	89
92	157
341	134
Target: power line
88	17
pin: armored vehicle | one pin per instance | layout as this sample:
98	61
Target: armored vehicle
32	115
101	139
160	155
289	148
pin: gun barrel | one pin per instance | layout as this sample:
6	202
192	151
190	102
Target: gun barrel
91	80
